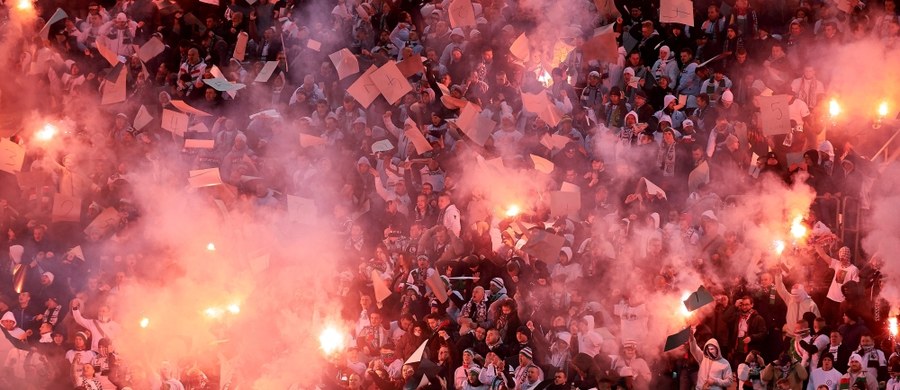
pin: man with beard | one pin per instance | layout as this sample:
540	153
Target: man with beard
857	377
750	329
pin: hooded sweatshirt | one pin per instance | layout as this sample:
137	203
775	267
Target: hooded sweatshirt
713	367
590	342
797	304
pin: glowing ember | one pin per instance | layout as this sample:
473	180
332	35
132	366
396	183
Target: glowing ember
882	110
331	341
46	133
145	322
233	308
798	230
213	312
778	245
24	5
834	109
512	211
210	247
892	326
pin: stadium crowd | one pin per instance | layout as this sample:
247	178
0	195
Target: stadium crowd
659	138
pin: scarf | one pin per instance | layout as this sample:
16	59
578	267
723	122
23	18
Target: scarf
807	91
665	159
477	311
502	322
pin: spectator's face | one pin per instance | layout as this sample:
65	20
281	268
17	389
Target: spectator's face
103	313
493	336
836	338
866	342
777	52
855	366
79	342
480	333
559	378
193	56
375	319
646	30
534	374
24	298
443	354
8	324
712	13
827	364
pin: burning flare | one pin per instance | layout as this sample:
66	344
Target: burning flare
25	5
46	133
892	326
211	247
778	246
331	340
213	312
544	78
233	308
882	109
145	322
512	211
798	229
834	109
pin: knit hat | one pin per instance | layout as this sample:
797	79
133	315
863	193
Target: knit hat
856	358
524	330
594	73
497	281
727	96
414	288
640	94
686	123
527	353
629	71
49	276
469	351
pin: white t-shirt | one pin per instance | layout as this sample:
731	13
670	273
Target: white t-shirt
828	378
798	110
841	275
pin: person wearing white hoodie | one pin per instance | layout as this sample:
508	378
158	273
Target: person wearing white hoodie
101	327
797	300
589	341
715	371
566	268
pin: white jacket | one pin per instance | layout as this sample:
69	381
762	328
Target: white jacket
713	368
797	304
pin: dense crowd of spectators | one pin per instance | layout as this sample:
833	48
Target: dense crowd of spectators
657	145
